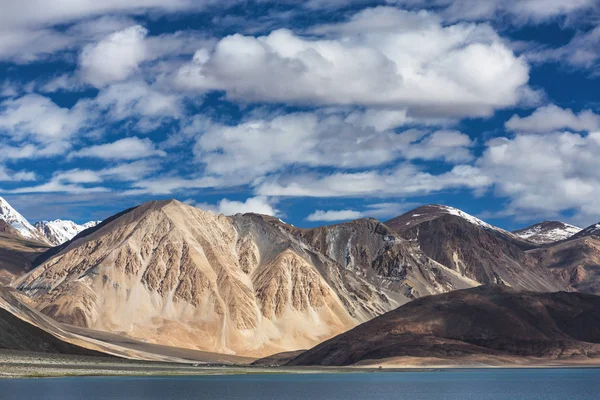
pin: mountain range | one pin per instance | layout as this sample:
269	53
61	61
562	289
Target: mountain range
50	232
169	274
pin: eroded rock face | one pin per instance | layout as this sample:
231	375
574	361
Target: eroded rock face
175	275
475	249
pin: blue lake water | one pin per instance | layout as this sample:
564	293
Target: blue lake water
563	384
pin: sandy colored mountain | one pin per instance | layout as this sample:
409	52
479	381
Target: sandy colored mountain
171	274
16	253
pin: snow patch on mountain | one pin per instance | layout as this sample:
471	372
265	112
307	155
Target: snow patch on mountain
548	232
59	231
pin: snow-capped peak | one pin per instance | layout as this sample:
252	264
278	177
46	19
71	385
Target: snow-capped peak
17	221
59	231
548	232
467	217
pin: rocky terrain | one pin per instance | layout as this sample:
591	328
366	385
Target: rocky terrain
547	232
576	261
493	322
17	254
475	249
58	231
171	274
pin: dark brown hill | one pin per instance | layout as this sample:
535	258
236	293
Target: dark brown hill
490	321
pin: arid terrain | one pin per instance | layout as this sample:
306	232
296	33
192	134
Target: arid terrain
172	284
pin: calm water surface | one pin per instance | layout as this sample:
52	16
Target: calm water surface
565	384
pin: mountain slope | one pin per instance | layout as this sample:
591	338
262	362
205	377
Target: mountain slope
58	231
474	248
175	275
547	232
17	255
485	321
9	215
590	231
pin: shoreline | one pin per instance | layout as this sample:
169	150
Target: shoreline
21	365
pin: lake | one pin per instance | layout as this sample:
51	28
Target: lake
538	384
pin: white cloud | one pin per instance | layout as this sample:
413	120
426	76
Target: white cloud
552	118
583	51
132	148
115	57
378	210
37	117
137	99
334	215
57	186
404	180
257	205
520	11
546	173
260	146
371	60
7	175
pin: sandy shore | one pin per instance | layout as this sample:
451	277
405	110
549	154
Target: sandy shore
14	364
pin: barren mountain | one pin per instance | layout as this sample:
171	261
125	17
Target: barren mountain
475	249
175	275
547	232
58	231
576	261
487	322
590	231
16	254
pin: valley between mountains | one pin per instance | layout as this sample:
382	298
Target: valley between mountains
166	281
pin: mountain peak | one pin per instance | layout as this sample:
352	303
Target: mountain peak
13	218
547	232
433	211
592	230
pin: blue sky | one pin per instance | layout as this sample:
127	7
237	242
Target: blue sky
314	111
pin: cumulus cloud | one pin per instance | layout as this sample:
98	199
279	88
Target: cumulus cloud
132	148
257	205
261	146
37	117
546	173
551	118
370	60
114	58
334	215
378	210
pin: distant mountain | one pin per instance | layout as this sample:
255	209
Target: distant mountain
482	325
576	260
590	231
11	217
172	274
547	232
474	248
58	231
